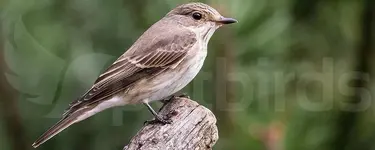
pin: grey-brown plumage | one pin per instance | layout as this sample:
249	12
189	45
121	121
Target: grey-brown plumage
141	61
161	62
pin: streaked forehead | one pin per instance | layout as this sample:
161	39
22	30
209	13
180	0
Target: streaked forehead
197	7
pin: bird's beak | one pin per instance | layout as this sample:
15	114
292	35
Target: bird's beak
224	20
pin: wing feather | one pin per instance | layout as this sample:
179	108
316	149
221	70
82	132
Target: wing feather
142	60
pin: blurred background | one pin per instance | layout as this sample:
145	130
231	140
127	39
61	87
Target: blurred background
291	75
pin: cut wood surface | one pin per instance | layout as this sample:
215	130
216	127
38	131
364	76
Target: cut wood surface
193	128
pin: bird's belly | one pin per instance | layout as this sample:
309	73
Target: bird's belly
173	80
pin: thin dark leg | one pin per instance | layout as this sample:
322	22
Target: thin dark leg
150	109
158	118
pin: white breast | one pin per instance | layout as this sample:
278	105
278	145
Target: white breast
173	80
194	66
178	78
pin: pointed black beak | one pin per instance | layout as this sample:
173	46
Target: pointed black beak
224	20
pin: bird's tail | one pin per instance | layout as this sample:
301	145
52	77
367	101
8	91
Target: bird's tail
57	128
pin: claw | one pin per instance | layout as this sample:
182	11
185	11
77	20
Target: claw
157	120
167	100
184	95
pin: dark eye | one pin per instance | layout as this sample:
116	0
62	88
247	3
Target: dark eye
197	16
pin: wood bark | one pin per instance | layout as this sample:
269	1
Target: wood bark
193	128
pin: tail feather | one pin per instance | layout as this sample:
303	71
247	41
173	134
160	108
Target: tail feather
57	128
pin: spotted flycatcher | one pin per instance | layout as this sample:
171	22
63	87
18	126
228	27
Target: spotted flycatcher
160	63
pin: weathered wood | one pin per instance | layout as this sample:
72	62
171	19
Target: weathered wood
193	128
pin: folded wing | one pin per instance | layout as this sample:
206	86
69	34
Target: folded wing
145	60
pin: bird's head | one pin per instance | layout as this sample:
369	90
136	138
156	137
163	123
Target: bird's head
199	17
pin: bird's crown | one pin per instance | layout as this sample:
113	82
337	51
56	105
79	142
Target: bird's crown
198	11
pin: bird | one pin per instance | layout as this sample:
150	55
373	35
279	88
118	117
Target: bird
164	59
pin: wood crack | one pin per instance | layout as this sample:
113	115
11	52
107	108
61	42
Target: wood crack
193	127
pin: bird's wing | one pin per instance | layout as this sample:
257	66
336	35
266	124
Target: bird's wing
142	60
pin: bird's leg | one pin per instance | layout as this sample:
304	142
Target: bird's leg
158	118
172	97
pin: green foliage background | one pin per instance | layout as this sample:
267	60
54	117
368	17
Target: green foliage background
279	79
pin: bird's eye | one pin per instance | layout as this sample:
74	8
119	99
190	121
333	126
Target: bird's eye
197	16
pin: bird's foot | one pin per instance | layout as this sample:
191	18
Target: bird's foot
184	95
158	119
168	99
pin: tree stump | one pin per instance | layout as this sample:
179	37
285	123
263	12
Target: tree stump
193	127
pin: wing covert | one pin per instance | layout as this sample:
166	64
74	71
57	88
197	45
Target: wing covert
142	60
